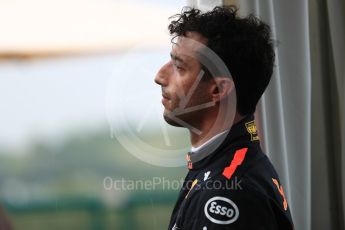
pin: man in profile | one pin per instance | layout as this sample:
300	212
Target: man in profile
231	183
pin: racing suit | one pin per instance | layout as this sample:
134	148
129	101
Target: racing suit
234	187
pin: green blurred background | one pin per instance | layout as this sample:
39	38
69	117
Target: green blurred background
61	186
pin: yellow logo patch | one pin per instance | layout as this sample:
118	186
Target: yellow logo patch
251	129
193	184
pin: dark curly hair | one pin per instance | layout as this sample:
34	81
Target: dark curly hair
244	44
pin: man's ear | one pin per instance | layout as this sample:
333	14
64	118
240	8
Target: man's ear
222	88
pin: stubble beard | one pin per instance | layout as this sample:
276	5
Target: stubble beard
189	119
169	118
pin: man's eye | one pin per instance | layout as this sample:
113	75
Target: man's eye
178	67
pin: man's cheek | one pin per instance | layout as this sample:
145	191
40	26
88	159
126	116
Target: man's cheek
180	89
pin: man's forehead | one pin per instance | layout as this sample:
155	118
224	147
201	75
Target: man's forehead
189	45
190	40
182	54
194	36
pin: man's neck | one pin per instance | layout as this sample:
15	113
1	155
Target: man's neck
209	130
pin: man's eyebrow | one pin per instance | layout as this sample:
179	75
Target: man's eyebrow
177	58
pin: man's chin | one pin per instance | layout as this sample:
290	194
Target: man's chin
171	119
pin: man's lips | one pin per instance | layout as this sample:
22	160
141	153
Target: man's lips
165	99
165	96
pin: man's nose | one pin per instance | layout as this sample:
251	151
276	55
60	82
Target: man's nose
163	75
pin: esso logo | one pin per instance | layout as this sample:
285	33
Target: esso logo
221	210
